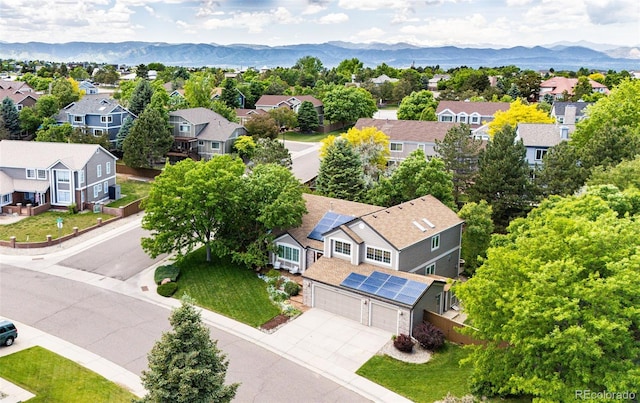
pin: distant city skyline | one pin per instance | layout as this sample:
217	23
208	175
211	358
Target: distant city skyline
464	23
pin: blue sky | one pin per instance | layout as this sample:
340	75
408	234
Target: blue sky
495	23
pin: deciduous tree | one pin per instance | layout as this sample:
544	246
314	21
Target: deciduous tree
419	105
476	235
229	95
271	151
66	90
262	126
348	104
556	302
185	365
285	117
518	112
149	140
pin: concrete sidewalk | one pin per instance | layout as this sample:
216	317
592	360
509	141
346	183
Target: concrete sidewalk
332	346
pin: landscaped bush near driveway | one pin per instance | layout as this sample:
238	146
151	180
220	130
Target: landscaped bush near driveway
167	271
429	336
168	289
292	288
404	343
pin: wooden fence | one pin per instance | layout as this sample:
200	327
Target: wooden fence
141	172
450	328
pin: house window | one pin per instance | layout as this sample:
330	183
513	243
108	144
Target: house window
80	176
6	199
64	196
98	132
99	170
184	128
106	119
431	269
42	174
105	187
475	119
421	147
435	242
96	191
215	145
289	253
78	119
108	168
343	248
540	154
31	173
200	143
396	147
379	255
446	118
62	176
462	118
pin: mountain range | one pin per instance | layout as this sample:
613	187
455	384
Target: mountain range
400	55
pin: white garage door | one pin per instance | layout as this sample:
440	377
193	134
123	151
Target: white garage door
383	317
334	301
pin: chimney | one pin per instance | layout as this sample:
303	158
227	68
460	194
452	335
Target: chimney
564	133
569	115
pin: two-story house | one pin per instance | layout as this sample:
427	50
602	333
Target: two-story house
54	174
539	137
569	113
97	113
379	266
202	133
559	87
405	136
268	102
22	95
88	87
475	114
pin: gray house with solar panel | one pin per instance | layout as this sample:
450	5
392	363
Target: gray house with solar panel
380	266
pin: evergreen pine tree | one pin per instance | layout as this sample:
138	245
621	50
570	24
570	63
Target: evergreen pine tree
149	139
123	132
185	365
307	117
229	95
341	174
141	97
10	118
504	178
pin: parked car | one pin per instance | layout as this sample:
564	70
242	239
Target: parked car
8	332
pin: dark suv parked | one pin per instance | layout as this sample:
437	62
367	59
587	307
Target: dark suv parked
8	332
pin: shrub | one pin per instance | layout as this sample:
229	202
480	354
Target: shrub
429	336
72	208
403	343
292	288
168	289
168	271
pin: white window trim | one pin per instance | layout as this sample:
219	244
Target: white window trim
63	192
96	191
108	168
105	188
215	145
99	171
334	244
542	152
78	119
106	119
98	132
66	180
38	172
430	269
30	173
292	247
400	145
81	176
435	242
366	255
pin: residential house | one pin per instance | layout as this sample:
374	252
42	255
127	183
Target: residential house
539	137
405	136
88	87
97	113
245	114
54	174
173	92
343	247
475	114
216	93
22	95
569	113
433	81
268	102
560	87
15	85
383	78
202	133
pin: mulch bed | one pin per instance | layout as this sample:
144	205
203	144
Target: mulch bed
275	322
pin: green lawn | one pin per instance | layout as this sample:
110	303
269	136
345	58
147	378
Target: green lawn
53	378
36	228
224	287
131	190
426	382
311	137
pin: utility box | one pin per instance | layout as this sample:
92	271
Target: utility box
114	192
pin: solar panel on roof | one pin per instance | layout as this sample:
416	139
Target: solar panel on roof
328	222
387	286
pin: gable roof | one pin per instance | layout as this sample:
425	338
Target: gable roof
18	96
42	155
482	108
15	85
241	112
317	206
278	100
216	128
558	85
397	224
95	104
558	108
408	130
540	134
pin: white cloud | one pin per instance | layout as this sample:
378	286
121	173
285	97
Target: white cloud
518	3
335	18
373	4
370	34
458	31
252	22
313	9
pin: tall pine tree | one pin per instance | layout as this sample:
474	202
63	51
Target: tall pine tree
149	139
341	174
141	97
504	178
307	117
123	132
10	118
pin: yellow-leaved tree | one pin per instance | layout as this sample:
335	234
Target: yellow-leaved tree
518	113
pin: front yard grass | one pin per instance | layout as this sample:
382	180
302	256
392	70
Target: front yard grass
226	288
131	190
312	137
426	382
36	228
53	378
